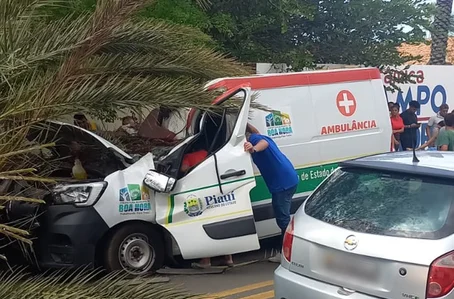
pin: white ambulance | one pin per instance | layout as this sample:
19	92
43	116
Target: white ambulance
221	206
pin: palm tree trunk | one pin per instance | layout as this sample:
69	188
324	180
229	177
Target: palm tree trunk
440	32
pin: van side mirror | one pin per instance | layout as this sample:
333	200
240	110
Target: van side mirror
159	182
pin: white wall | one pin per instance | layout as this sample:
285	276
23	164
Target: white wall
271	68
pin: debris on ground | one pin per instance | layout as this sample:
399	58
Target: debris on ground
191	271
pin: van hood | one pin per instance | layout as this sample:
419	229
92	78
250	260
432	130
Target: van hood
63	133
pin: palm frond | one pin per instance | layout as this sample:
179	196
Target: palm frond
99	63
205	4
20	198
82	284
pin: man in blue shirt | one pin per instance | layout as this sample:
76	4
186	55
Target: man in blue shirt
278	173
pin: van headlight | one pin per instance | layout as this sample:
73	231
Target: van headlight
86	194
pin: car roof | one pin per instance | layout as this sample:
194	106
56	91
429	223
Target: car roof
431	163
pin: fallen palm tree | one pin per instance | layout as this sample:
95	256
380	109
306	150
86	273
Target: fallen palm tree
97	63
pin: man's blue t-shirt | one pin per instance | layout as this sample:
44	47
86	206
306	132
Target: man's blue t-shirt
275	168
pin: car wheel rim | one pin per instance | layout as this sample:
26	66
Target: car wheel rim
136	255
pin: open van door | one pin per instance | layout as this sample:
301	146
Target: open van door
209	210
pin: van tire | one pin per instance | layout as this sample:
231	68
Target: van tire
130	244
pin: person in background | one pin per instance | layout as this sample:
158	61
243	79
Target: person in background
408	137
397	125
279	175
174	120
129	126
81	120
432	141
445	139
434	120
191	160
390	107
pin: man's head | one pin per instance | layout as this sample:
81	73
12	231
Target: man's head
80	116
414	106
128	120
449	120
249	131
81	120
444	108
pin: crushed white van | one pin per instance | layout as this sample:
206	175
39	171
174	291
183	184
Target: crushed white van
222	205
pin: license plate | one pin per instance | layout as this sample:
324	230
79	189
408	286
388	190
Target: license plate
343	265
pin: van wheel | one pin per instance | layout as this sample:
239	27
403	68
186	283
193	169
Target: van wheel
136	248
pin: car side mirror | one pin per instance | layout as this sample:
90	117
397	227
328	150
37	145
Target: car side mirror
159	182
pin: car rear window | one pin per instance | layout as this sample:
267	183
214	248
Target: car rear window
385	203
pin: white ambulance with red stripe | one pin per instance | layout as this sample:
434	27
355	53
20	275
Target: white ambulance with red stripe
222	205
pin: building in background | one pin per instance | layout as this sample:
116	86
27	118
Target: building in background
423	50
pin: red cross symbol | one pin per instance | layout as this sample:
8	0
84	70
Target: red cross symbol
346	103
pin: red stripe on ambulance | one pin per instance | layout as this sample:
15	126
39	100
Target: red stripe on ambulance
299	79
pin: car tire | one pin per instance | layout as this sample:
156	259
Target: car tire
136	248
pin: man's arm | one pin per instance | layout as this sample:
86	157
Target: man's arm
442	141
256	144
428	131
261	146
430	141
430	123
405	120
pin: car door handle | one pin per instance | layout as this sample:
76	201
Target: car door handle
231	174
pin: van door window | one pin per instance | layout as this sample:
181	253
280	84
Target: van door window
212	137
212	130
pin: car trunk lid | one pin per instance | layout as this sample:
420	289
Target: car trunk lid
374	232
381	266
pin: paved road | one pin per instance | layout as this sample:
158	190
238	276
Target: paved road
252	278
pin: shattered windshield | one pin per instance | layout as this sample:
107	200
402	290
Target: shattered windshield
384	203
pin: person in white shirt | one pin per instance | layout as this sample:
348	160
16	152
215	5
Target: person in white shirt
434	120
431	142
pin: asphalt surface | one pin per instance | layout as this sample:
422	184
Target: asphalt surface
250	278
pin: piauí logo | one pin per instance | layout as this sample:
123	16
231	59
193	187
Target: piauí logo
193	206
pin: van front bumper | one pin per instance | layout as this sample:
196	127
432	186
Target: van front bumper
68	236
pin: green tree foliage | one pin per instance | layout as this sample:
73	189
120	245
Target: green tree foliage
258	31
302	32
251	31
185	12
365	32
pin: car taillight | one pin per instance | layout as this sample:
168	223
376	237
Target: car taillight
288	242
441	276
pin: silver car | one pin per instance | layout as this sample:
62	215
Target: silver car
378	227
